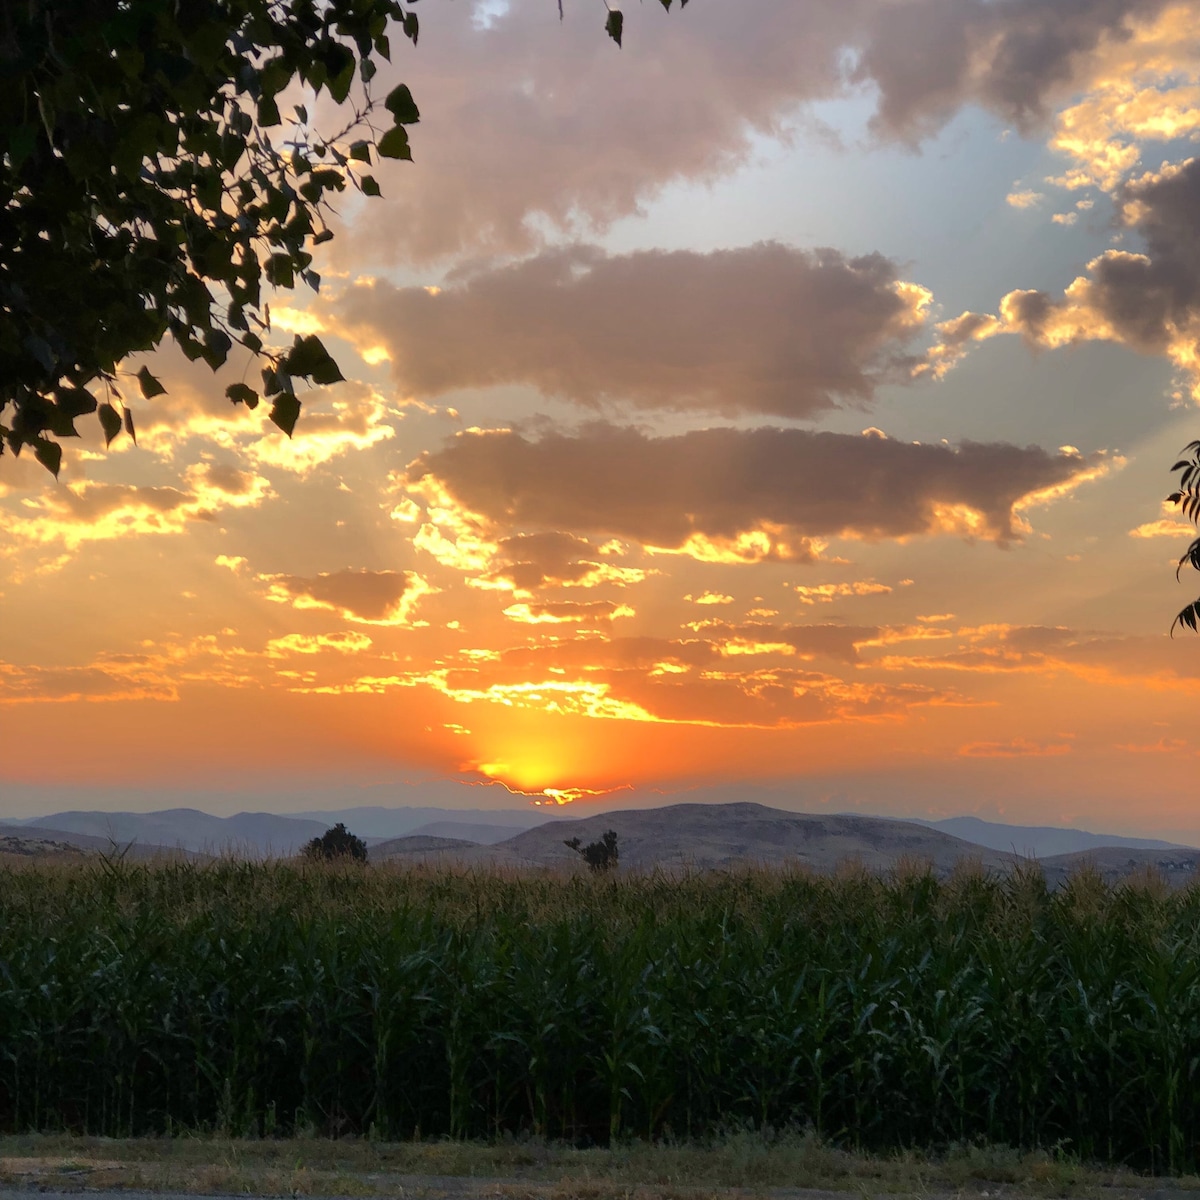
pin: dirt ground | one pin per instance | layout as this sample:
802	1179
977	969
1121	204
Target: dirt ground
735	1168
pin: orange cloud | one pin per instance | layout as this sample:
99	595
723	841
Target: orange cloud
826	593
72	515
1017	748
369	597
560	612
97	684
1162	528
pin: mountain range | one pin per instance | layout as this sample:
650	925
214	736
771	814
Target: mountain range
678	836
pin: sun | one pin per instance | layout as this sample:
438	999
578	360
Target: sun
526	781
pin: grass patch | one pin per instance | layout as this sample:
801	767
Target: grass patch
515	1170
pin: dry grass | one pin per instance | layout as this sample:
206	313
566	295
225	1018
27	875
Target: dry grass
534	1170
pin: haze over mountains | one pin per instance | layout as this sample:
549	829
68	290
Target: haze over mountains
1037	841
266	834
679	836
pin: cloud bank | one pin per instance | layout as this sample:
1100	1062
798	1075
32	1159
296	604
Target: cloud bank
760	329
771	491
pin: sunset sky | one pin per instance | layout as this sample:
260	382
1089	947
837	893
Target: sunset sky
786	398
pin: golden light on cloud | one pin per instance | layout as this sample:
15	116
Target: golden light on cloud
1024	199
297	320
365	597
766	544
74	514
1163	527
567	612
959	519
826	593
609	564
316	643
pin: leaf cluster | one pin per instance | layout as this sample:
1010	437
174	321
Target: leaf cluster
151	184
1187	498
600	856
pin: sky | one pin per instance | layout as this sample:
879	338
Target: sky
785	399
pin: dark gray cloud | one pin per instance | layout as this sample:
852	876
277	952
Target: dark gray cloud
372	596
762	329
931	57
534	123
722	483
535	560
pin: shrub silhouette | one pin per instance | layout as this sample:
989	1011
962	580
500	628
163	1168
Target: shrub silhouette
601	855
336	843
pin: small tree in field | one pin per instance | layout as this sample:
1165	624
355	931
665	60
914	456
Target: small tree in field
599	856
336	844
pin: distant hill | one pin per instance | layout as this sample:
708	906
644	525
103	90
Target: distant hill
377	822
188	829
700	836
1037	841
37	841
12	846
419	849
674	837
1114	863
466	831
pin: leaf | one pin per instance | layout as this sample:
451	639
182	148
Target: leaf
394	144
614	23
361	151
309	358
412	27
370	186
242	393
149	385
1187	617
49	454
110	422
75	402
279	270
285	412
339	84
128	414
268	112
402	106
40	349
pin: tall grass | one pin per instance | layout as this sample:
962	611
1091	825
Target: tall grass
254	999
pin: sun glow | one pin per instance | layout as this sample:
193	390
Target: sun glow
528	775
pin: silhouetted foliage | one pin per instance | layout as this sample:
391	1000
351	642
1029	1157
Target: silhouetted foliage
141	193
601	855
1187	498
336	843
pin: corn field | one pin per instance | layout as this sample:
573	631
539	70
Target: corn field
260	999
